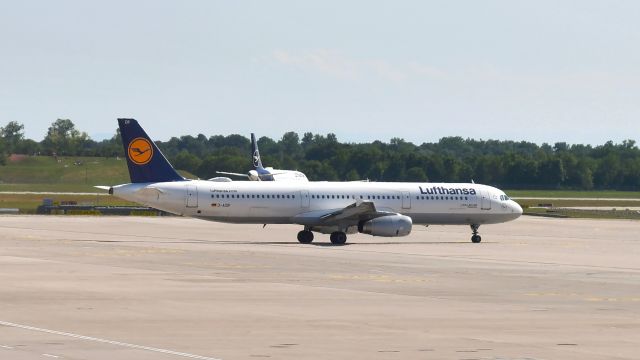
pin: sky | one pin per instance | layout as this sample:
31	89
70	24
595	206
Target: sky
540	71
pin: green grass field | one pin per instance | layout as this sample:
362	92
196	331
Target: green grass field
554	194
28	203
80	174
45	173
66	174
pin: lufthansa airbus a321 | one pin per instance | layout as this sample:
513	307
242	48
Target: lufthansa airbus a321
338	208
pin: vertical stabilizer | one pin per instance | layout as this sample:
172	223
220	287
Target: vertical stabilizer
257	162
146	162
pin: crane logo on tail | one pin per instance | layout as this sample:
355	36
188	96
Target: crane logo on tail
140	151
256	158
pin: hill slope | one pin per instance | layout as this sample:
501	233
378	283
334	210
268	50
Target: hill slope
78	174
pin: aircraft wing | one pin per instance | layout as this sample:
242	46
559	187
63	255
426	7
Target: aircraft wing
352	214
233	174
276	173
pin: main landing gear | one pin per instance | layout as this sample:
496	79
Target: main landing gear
475	238
305	236
338	238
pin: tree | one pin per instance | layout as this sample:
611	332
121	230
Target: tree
64	139
186	161
352	175
551	172
416	174
12	134
3	155
290	145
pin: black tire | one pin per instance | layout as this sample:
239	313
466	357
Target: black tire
305	237
338	238
476	239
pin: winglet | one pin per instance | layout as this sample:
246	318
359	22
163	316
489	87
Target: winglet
146	162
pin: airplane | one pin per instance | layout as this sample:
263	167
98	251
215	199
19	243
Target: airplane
387	209
261	173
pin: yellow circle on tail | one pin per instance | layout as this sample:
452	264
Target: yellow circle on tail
140	151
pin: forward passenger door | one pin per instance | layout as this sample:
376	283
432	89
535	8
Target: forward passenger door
192	196
485	200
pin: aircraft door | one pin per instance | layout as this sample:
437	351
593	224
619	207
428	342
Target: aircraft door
406	200
304	199
192	196
485	200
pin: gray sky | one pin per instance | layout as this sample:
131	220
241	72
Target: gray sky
541	71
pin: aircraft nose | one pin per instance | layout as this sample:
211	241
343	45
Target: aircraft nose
516	208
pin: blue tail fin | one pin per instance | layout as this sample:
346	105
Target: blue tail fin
257	162
146	162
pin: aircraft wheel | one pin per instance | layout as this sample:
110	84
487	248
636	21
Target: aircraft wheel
305	237
338	238
476	238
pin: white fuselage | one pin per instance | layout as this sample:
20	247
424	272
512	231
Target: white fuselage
304	202
285	175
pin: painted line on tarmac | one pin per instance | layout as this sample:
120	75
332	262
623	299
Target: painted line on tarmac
52	193
106	341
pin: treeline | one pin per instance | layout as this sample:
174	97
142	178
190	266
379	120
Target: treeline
507	164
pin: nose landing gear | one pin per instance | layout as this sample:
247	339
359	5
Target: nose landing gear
475	238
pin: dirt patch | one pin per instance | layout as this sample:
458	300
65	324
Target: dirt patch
16	158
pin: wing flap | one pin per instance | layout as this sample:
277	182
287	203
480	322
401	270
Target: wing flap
351	214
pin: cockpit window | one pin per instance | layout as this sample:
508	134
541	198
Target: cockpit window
504	197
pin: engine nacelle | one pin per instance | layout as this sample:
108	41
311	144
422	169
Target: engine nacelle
389	226
253	175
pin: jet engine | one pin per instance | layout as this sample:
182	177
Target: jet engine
389	226
253	175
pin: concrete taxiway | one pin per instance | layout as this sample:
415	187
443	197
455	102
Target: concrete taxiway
174	288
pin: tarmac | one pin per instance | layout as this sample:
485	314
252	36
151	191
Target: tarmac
174	288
